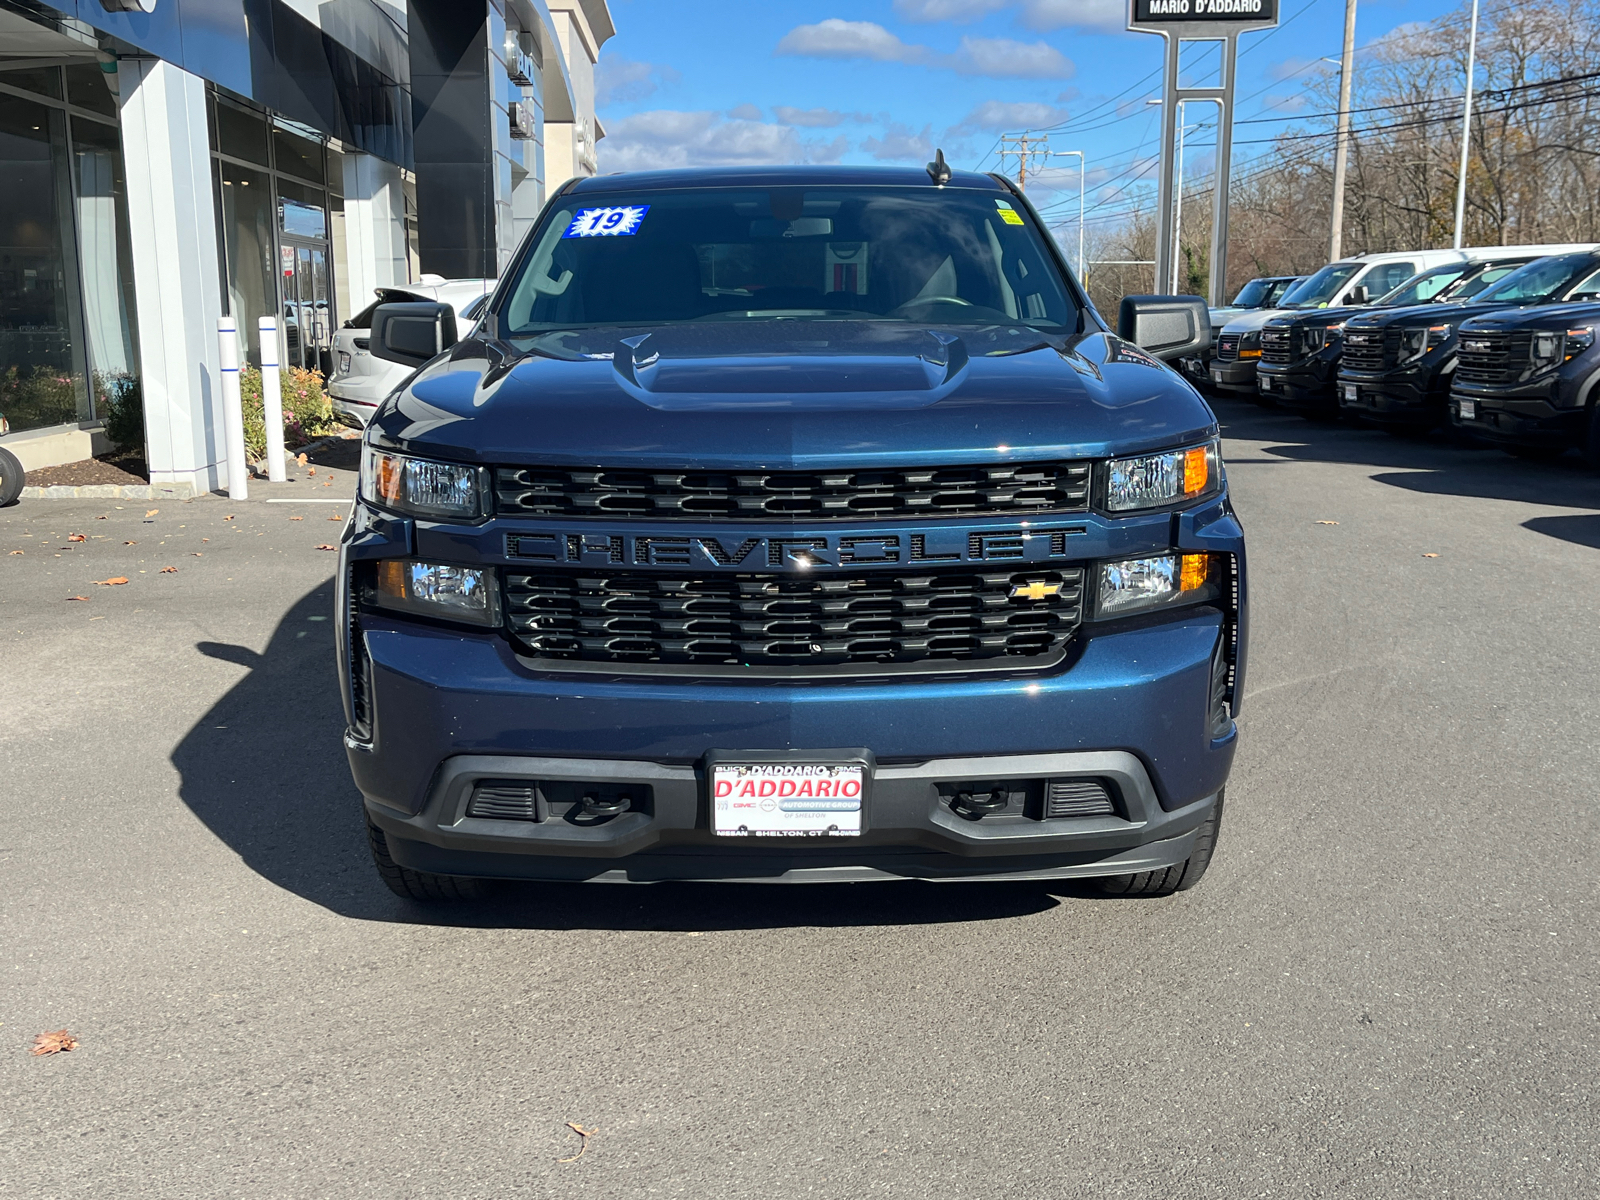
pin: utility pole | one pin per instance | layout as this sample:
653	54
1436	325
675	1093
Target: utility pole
1024	147
1341	154
1466	129
1083	171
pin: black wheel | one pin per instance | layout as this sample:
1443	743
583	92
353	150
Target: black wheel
1534	453
1179	878
419	885
11	476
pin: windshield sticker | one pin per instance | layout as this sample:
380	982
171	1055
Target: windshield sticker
1008	214
622	221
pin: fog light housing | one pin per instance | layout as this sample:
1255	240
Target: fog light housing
444	591
1136	585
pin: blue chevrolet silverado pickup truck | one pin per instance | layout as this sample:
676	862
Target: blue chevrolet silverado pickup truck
800	524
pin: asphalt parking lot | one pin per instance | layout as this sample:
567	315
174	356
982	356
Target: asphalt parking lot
1386	986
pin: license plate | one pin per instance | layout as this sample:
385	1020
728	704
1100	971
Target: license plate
1469	410
1216	375
1266	383
1352	393
786	799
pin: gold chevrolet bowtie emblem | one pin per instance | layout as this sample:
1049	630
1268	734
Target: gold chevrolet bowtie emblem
1037	590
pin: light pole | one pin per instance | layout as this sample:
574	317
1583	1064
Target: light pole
1466	128
1083	170
1341	153
1177	215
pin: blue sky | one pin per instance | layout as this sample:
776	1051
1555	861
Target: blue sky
707	82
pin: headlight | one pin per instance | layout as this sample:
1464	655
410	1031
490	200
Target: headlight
1157	480
1552	348
1417	341
420	488
1137	585
441	590
1250	344
1315	337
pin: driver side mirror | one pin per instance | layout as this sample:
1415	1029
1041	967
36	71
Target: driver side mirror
1166	327
412	333
1358	294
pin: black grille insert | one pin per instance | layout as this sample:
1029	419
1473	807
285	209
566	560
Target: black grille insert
809	495
1277	345
1077	798
1491	357
1228	347
1370	349
795	621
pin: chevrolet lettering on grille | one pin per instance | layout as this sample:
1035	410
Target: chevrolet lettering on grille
712	551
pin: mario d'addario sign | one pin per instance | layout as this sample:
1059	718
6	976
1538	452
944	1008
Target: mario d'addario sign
1161	12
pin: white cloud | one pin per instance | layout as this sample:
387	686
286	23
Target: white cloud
1095	16
1002	58
997	116
899	143
947	10
620	80
817	118
834	38
746	112
663	138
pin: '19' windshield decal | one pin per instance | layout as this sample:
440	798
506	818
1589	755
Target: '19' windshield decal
622	221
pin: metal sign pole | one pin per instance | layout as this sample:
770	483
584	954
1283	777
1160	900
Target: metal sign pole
1224	176
1165	251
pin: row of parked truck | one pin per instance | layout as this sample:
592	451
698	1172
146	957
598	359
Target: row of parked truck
1497	342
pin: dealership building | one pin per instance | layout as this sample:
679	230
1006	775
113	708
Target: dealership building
170	162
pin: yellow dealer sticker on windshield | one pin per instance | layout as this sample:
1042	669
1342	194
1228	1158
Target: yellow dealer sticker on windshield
1008	214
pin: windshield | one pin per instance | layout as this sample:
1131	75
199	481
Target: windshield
1423	287
1321	287
1253	294
1539	280
1279	287
1474	284
952	256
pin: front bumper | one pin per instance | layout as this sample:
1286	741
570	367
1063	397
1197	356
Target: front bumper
1404	396
1521	417
1234	375
1299	386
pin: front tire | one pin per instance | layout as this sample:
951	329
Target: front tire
1178	878
419	885
11	477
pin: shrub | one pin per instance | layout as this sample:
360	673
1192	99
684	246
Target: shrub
41	398
307	411
120	405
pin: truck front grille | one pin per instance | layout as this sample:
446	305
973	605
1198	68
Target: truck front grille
786	621
1491	357
808	495
1277	345
1369	349
1228	347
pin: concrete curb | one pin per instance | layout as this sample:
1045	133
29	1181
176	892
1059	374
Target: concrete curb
111	491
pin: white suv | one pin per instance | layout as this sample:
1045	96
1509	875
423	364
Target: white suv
360	381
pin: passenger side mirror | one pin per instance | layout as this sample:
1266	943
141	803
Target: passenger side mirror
1165	327
412	333
1358	294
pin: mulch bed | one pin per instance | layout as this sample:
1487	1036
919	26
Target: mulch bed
120	469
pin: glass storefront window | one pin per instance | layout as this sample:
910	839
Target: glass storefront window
87	88
106	262
247	248
43	81
43	373
297	156
238	133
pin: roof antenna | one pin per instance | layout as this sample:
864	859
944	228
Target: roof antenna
938	169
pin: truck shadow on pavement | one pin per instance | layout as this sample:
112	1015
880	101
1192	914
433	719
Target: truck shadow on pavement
1428	463
265	771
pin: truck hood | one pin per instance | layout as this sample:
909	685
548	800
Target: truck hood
781	393
1422	314
1539	316
1254	318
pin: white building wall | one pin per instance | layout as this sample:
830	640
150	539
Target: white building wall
374	227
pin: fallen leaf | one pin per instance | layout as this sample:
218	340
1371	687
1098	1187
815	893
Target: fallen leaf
102	518
169	570
197	554
114	581
325	546
1430	556
152	512
16	552
130	543
205	539
85	599
333	518
229	517
329	483
313	470
76	537
54	1043
583	1133
301	459
1327	522
297	518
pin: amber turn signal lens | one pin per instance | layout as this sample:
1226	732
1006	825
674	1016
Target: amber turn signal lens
1194	573
1196	471
392	579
